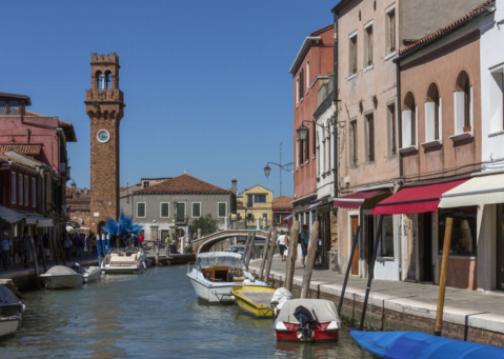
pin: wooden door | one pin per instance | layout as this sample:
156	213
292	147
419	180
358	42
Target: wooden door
354	222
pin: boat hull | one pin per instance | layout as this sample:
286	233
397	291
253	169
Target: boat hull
92	274
9	325
74	281
136	269
319	336
213	292
250	303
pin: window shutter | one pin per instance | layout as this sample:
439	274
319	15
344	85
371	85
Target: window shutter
471	108
458	108
406	128
440	119
430	108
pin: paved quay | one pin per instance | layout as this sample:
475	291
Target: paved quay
472	315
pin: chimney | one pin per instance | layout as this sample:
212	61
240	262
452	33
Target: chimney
234	185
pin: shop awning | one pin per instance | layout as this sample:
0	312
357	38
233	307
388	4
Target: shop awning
10	215
357	199
416	199
476	191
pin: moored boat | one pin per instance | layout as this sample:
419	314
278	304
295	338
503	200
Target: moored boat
124	262
399	345
255	300
215	274
307	320
91	274
62	277
11	312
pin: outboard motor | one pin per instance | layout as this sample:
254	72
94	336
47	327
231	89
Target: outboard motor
306	321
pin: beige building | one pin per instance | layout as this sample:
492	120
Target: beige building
255	207
370	33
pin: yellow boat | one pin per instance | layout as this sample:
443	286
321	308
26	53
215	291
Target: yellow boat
254	300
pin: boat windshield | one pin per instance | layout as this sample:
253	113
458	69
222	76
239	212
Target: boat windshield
204	262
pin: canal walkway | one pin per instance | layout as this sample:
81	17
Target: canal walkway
467	314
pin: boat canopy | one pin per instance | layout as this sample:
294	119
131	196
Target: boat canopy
421	345
7	297
60	270
323	310
210	259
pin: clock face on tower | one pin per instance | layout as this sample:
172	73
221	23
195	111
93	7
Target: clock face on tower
103	136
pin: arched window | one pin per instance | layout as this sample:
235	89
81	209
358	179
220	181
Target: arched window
463	104
108	80
409	121
432	114
100	80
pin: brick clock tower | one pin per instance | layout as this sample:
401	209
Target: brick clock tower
104	106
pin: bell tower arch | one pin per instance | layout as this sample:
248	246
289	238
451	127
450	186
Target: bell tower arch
105	108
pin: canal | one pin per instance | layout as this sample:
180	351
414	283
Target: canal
154	315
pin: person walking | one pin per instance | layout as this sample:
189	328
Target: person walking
5	249
304	237
282	244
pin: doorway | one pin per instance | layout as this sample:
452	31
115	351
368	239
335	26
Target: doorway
425	247
354	223
500	247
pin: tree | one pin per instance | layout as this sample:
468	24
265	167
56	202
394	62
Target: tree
206	224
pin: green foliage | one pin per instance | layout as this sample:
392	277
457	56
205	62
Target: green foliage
206	224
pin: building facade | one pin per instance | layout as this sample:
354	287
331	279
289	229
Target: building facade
256	207
170	206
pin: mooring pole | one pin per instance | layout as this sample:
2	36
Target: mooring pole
264	255
438	326
248	249
310	259
292	255
348	268
376	246
271	251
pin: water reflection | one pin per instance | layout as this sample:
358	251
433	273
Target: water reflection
154	315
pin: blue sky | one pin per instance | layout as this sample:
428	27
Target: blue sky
207	84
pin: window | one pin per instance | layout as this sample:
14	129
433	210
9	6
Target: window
141	209
34	192
146	184
463	241
462	99
301	151
20	189
260	198
13	188
100	80
108	79
390	31
301	86
307	76
409	122
353	143
323	154
250	217
368	49
164	210
387	244
317	155
196	209
353	55
432	115
328	148
370	138
222	209
306	155
497	100
392	141
250	200
180	211
3	107
26	190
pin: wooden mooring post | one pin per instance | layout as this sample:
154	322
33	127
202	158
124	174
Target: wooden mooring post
310	259
271	251
292	255
438	325
376	246
249	246
348	268
264	255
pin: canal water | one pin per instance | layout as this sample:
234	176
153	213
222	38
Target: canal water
153	315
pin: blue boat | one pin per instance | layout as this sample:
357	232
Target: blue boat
402	345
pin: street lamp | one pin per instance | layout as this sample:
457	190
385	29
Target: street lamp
267	170
302	131
287	167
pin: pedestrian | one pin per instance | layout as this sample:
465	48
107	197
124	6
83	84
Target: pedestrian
282	244
5	249
141	239
304	237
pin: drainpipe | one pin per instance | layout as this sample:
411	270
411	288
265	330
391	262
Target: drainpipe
335	100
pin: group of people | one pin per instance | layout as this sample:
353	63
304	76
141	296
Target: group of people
304	237
22	250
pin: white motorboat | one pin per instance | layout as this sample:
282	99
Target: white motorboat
215	274
124	262
62	277
11	312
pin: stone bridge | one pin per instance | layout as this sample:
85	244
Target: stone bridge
203	244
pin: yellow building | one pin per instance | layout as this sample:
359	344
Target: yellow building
255	204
